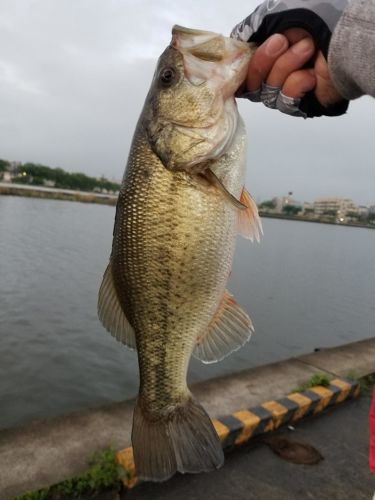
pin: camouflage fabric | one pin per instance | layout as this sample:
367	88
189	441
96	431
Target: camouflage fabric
329	12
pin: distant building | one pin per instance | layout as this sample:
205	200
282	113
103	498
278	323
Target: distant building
371	209
307	208
14	166
7	177
363	211
338	207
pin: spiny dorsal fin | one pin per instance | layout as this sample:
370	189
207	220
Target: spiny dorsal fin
249	223
229	330
111	314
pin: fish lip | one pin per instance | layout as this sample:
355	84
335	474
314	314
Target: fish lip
213	48
177	29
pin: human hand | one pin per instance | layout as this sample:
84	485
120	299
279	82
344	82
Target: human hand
289	71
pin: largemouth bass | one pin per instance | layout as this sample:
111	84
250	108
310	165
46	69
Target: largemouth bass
181	205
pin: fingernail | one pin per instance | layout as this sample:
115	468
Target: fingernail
275	44
303	46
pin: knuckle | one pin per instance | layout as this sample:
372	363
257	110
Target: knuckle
283	66
294	78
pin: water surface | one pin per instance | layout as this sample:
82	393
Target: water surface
306	286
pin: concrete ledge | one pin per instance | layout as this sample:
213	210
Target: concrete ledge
239	427
46	452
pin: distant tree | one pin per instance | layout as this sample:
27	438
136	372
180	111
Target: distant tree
291	209
3	165
267	205
309	211
31	173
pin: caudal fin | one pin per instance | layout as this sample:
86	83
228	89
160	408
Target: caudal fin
185	440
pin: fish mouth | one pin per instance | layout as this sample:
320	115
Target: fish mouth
177	29
211	43
209	55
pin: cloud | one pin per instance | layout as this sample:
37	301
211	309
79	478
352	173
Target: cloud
10	78
74	76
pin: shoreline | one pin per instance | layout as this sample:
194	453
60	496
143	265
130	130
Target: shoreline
41	192
268	215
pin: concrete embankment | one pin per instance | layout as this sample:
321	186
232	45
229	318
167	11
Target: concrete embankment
56	194
301	218
46	452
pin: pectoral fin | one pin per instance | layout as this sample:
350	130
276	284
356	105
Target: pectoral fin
249	223
214	181
111	313
228	331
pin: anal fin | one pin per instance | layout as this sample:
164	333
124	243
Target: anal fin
111	313
228	331
249	223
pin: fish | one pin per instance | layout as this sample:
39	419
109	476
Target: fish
181	205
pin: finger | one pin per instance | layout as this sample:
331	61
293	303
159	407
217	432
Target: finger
325	91
292	60
263	60
298	83
294	35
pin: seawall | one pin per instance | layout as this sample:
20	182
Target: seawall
45	452
56	194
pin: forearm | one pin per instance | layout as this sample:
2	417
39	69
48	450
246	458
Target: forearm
351	56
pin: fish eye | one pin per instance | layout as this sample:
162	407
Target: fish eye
167	76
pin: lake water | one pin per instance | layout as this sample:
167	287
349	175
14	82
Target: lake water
305	286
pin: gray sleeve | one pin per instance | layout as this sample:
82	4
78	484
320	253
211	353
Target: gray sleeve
351	56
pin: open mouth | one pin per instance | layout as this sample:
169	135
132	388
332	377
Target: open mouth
212	57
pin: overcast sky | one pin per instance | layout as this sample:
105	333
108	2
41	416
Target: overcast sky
74	75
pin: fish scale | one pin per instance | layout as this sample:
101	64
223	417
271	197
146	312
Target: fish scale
177	217
159	237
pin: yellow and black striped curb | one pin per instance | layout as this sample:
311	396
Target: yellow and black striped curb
240	426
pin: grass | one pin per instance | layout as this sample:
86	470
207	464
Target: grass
316	379
366	383
104	474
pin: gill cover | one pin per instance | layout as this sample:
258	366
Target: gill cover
190	115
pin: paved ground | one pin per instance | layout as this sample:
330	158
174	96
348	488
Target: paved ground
255	472
46	452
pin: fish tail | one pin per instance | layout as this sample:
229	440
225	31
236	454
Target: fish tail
185	440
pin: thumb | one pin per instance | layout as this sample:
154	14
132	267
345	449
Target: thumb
325	91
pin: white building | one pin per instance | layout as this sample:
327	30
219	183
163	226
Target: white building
363	211
7	177
307	207
338	207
